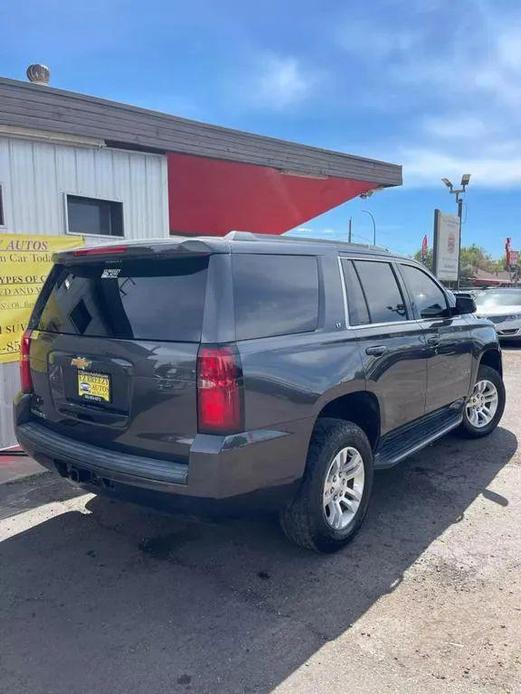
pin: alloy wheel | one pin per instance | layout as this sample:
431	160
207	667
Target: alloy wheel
482	404
343	488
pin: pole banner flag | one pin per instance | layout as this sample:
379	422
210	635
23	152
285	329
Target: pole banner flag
508	247
425	247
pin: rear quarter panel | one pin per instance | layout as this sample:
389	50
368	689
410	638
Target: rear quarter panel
289	379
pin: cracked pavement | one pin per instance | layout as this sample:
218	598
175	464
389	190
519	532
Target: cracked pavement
102	596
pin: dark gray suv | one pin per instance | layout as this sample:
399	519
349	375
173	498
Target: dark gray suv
249	372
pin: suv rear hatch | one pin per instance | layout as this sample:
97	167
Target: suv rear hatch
114	350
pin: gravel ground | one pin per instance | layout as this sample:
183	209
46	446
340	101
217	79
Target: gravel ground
101	596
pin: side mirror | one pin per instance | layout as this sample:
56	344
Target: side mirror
464	304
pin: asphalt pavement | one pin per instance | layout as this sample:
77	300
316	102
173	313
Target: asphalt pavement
98	596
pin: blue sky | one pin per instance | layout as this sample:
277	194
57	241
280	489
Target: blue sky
434	85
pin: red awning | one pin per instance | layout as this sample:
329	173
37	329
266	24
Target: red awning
213	196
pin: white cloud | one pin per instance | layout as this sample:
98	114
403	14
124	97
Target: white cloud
282	82
457	126
499	74
509	48
476	84
426	166
457	91
482	67
360	36
504	88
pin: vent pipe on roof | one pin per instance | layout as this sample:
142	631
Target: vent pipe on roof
38	74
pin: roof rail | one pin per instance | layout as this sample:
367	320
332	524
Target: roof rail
252	236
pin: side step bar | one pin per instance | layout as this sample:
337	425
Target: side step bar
405	441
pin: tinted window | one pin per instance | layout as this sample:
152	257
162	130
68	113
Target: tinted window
275	295
358	313
384	299
425	293
93	216
147	300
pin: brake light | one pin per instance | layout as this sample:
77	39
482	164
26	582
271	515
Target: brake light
26	381
100	250
219	390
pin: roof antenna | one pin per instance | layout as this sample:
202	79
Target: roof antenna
38	74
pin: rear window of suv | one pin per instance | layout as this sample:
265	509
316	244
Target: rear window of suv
134	299
274	295
381	290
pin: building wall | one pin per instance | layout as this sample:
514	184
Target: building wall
36	175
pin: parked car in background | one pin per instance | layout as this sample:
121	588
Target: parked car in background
249	372
503	307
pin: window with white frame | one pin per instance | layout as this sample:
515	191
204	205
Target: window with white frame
93	216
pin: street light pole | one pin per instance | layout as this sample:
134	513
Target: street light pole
458	192
374	225
459	202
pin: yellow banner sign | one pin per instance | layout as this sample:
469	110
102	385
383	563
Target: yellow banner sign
25	261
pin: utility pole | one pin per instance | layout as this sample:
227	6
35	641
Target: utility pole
458	192
350	234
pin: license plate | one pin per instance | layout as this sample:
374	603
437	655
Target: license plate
94	386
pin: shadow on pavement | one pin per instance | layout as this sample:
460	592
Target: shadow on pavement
120	599
25	494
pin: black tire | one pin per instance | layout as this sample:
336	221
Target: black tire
304	520
470	431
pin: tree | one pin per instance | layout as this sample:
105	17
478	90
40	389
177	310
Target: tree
428	260
477	257
471	257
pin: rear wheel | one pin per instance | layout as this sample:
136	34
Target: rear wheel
484	408
333	498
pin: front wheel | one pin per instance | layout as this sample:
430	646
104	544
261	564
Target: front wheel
333	498
484	408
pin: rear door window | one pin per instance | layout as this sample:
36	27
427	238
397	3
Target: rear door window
384	298
274	295
357	306
134	299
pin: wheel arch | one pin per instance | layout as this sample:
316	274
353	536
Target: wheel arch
492	357
361	408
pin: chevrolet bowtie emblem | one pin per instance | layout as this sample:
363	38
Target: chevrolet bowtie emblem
81	362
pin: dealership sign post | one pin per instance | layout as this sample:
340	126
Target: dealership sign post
446	246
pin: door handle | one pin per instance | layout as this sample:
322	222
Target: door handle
376	350
433	341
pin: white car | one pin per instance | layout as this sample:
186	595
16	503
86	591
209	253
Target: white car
503	308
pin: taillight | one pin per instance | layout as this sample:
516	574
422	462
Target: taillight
219	390
26	381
